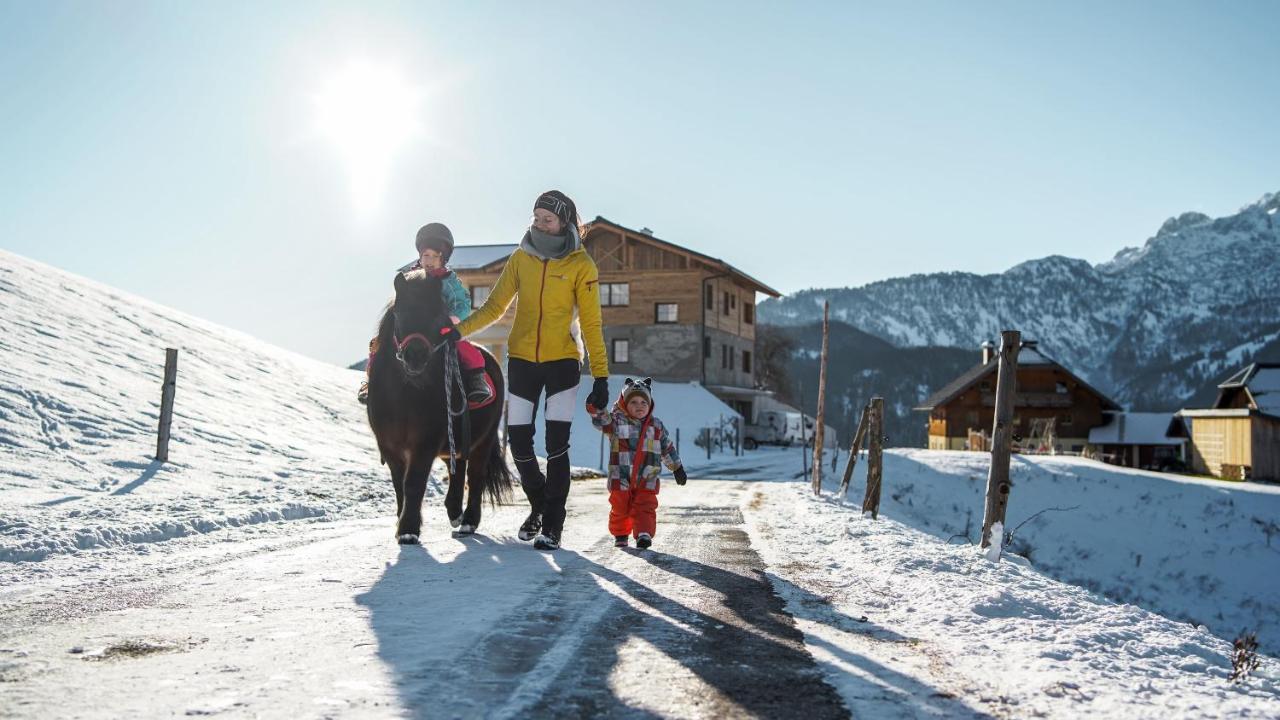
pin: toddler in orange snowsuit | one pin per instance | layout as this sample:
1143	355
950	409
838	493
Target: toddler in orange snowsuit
638	445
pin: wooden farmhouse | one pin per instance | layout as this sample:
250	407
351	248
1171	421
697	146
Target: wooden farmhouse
669	312
1239	437
1052	406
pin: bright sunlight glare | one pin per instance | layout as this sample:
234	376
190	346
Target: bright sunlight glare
370	114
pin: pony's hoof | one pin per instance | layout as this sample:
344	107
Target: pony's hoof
407	539
455	522
465	530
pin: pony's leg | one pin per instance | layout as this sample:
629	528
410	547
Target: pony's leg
453	499
415	488
477	469
397	467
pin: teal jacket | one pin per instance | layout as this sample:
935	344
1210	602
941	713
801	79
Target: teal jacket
457	301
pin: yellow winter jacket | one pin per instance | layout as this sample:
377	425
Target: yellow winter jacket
546	292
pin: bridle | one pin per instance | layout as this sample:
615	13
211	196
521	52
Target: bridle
401	344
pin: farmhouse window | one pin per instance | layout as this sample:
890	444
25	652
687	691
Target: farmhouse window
706	347
1061	388
615	294
726	302
724	357
479	294
621	350
711	298
665	312
1065	421
746	363
748	313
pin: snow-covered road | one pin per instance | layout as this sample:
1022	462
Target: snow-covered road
339	621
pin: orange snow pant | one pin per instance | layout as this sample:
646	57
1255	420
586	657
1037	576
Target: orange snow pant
633	512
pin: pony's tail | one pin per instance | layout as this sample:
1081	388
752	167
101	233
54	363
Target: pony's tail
498	482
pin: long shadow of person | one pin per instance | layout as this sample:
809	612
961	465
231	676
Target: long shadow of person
756	598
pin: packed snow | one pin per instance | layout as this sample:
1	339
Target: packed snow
1011	637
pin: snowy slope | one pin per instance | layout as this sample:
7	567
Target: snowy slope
898	619
1152	326
1205	552
259	434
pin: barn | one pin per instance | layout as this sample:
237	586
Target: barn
1239	437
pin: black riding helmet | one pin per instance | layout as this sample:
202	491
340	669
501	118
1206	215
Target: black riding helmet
437	237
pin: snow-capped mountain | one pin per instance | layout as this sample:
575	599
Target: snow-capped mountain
1154	326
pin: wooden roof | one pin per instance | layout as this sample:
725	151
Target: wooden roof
713	263
1029	355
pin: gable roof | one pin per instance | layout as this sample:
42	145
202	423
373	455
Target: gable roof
474	257
714	262
1139	429
1028	355
1261	381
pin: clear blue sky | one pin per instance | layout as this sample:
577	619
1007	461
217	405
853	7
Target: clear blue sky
172	149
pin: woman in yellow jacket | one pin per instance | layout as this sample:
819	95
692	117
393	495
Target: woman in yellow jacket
552	279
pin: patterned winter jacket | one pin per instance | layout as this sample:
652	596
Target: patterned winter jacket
625	445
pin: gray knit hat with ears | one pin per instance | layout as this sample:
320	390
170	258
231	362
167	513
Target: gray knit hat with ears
637	387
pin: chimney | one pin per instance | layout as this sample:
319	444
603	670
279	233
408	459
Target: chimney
988	351
646	231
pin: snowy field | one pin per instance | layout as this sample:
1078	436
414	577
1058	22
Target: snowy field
212	573
259	434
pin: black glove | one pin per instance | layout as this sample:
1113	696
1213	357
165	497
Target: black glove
599	397
681	477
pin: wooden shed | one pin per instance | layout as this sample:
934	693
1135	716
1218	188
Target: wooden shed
1239	437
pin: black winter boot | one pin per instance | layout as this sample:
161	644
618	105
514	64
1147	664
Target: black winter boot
478	391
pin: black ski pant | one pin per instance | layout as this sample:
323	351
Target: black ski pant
526	381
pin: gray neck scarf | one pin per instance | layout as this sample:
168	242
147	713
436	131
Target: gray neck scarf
550	247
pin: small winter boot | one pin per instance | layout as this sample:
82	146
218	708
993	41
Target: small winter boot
362	395
478	391
547	540
644	540
531	527
620	540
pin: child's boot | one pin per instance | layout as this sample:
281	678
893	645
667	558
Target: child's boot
478	391
644	540
620	540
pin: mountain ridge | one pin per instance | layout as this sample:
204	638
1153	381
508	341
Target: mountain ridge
1151	327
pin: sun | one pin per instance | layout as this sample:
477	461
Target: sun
370	113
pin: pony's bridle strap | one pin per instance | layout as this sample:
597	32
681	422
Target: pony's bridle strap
402	344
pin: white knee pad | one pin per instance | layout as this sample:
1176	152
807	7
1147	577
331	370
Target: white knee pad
519	410
560	406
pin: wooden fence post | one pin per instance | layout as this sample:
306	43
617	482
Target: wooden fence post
998	482
819	432
875	471
858	439
166	402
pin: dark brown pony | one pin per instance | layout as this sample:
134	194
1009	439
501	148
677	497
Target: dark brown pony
409	377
